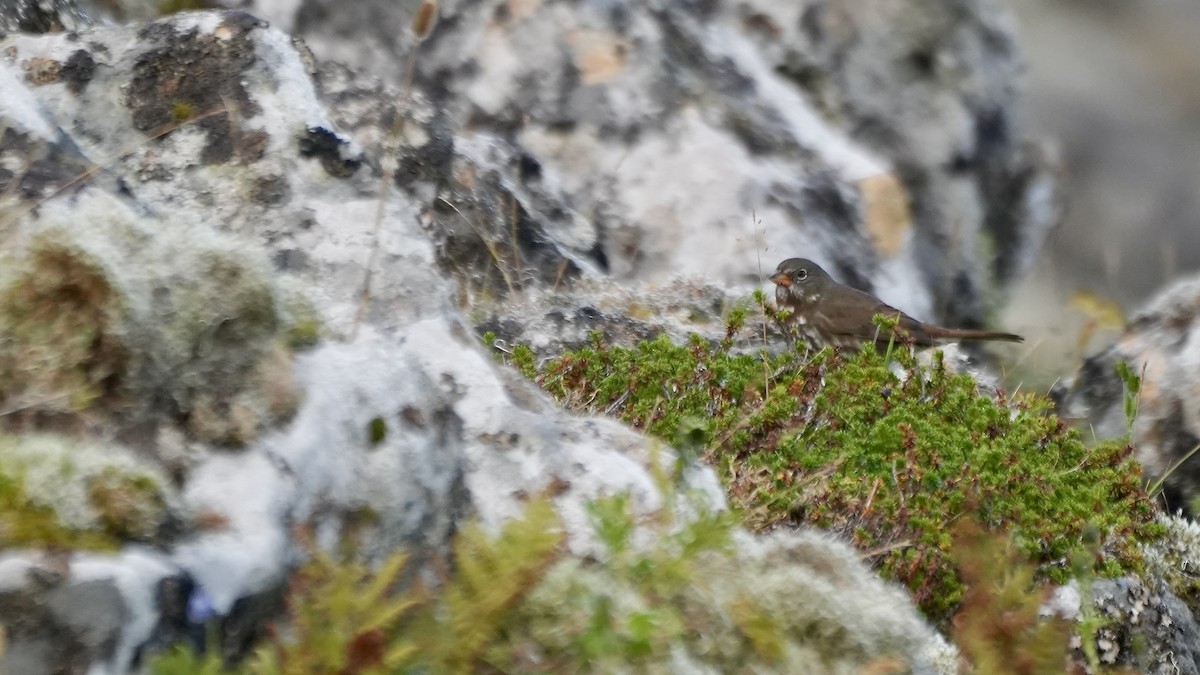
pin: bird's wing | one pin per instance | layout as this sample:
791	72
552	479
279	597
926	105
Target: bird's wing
854	318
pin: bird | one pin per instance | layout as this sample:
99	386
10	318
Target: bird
827	313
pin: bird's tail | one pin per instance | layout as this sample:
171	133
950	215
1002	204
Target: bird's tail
970	334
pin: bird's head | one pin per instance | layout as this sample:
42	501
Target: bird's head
799	273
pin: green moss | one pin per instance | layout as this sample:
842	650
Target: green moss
376	431
889	459
181	110
26	523
304	333
60	492
302	325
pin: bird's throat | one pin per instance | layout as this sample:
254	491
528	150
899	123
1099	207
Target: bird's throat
797	300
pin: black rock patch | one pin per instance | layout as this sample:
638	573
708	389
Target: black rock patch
189	75
78	71
326	146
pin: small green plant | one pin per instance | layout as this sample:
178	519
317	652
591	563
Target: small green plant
182	660
303	333
1132	393
1130	403
492	577
1090	622
376	430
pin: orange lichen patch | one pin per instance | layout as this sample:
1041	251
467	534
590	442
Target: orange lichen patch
40	70
465	176
598	55
519	9
209	520
886	215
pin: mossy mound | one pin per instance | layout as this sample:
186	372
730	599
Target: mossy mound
131	323
889	457
64	493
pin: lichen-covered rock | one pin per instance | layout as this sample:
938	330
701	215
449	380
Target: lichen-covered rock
878	137
1162	347
1175	559
1144	628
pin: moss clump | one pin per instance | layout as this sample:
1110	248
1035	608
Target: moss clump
692	602
376	430
129	507
302	325
61	319
220	319
26	523
59	492
304	333
888	459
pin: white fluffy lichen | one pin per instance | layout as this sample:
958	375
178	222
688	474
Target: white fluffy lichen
1175	558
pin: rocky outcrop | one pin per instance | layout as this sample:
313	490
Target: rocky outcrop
251	283
1162	416
878	138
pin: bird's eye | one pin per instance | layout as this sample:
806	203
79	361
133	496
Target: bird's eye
801	274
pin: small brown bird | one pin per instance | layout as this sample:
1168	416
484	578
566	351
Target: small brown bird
825	312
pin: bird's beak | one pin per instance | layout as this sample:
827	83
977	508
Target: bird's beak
781	279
